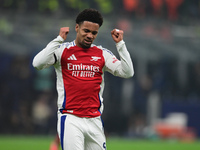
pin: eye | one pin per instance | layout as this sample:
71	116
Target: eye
94	32
86	30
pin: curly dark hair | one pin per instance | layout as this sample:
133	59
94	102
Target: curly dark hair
91	15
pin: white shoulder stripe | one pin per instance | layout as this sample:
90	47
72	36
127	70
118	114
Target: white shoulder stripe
67	44
106	50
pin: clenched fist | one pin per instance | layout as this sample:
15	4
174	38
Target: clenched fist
63	32
117	35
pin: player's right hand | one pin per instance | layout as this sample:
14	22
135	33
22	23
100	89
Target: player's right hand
63	32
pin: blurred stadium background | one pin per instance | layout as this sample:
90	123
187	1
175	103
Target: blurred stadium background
162	100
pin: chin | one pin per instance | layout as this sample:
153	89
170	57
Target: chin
86	46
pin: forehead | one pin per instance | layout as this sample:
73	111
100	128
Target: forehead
90	26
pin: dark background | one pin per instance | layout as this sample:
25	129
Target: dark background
163	38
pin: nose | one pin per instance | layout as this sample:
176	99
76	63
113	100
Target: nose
90	36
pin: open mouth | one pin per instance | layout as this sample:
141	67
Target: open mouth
87	42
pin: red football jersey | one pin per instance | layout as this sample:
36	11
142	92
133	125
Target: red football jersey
82	71
80	74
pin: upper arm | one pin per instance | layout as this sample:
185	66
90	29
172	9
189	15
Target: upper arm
111	62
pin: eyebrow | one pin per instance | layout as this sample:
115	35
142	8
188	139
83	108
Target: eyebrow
93	32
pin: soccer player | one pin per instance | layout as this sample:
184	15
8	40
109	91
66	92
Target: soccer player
80	67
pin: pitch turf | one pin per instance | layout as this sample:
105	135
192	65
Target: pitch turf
42	143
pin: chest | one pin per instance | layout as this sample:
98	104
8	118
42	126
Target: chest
85	62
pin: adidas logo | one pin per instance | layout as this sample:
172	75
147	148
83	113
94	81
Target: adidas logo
72	57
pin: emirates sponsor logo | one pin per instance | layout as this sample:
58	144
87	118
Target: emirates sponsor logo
81	67
80	70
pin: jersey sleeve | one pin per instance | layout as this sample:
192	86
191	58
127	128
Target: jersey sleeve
47	56
122	67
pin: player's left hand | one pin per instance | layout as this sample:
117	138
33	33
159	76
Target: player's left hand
117	35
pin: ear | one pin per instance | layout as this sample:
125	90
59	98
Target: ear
77	27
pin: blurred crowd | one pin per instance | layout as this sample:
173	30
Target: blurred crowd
169	9
161	35
27	99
